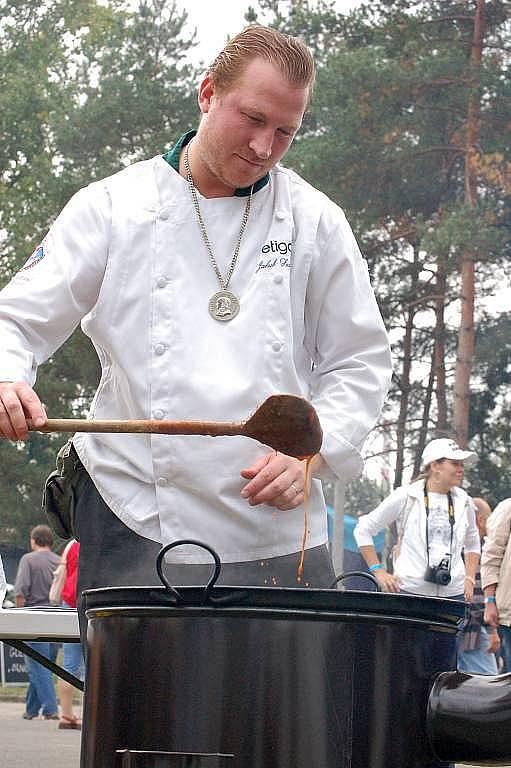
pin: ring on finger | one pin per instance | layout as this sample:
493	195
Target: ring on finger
295	489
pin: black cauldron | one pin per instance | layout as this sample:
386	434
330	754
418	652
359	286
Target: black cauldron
281	678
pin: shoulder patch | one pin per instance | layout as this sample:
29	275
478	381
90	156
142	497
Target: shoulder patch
37	256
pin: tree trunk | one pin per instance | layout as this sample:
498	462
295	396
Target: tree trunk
405	377
439	355
423	432
466	332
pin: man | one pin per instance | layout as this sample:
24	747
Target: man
496	577
478	643
208	278
33	582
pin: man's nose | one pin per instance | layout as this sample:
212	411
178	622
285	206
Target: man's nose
262	144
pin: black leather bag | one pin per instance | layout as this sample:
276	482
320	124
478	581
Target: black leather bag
61	491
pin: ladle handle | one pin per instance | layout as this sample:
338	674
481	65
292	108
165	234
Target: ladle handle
146	426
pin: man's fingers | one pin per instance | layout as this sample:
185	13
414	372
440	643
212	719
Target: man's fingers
32	406
17	401
271	469
6	428
251	472
282	491
277	483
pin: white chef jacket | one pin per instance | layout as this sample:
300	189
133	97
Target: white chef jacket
126	258
406	506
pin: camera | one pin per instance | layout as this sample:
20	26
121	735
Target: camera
441	573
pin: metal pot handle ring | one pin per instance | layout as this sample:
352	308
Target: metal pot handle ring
214	576
351	574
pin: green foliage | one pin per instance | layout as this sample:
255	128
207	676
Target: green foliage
490	412
386	138
362	496
85	88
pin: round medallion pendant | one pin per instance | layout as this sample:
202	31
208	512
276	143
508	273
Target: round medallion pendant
223	306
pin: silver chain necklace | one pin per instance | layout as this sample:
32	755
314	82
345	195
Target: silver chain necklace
223	305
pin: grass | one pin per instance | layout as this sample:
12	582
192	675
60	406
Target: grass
12	692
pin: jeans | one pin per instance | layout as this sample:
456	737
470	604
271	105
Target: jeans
41	690
73	660
478	661
505	647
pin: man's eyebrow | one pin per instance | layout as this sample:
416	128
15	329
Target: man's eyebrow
261	116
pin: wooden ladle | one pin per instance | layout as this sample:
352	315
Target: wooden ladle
287	423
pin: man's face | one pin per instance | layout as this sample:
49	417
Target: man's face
247	129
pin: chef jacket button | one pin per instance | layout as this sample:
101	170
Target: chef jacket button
164	214
278	279
276	346
280	215
162	481
159	349
158	414
161	282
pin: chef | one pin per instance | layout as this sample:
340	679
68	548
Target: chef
207	278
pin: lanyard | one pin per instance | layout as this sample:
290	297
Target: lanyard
450	509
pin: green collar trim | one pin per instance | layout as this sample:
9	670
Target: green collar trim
172	158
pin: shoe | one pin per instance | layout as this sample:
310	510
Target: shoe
55	716
26	716
72	723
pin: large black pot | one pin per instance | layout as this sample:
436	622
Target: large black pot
279	678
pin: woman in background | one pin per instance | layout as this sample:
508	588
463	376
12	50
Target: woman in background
436	524
73	656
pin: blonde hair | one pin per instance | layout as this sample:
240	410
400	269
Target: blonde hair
289	54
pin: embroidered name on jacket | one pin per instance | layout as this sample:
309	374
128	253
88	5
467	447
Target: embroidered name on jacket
277	246
283	259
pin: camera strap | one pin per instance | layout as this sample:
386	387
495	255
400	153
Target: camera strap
450	510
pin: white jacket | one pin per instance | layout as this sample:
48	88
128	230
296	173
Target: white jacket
126	255
406	507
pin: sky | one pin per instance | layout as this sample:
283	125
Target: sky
216	20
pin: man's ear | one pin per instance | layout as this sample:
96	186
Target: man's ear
206	93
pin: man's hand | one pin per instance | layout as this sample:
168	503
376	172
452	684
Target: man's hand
18	401
387	581
275	479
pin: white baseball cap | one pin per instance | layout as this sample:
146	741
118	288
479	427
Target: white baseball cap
443	448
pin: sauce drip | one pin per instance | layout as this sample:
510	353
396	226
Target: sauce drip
308	471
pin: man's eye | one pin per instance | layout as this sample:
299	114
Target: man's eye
253	118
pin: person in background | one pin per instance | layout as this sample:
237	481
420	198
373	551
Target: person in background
478	643
73	654
240	281
496	577
31	589
436	525
352	560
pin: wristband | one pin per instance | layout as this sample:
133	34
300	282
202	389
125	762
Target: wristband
471	579
489	599
375	567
